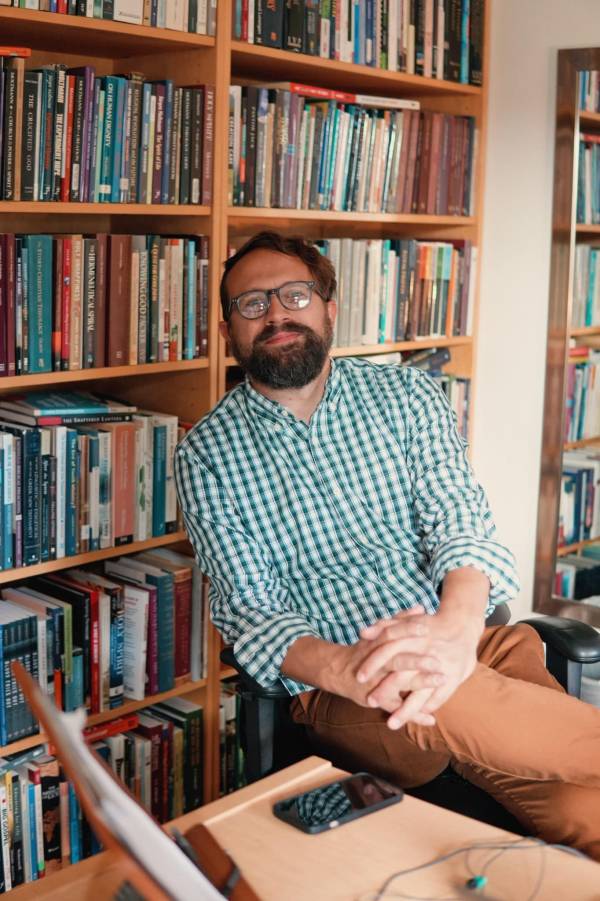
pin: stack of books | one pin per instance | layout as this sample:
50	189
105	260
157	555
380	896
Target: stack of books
96	637
588	193
231	773
434	38
81	301
78	474
586	287
582	415
195	16
399	290
70	135
157	755
300	147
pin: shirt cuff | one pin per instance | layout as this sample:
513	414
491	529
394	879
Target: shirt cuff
484	554
261	651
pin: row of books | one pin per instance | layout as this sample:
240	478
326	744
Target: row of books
589	91
588	180
579	517
586	286
157	755
231	772
195	16
399	290
95	637
577	576
78	474
299	147
69	135
582	417
80	301
434	38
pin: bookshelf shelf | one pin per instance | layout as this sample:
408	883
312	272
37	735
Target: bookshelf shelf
265	62
96	719
583	228
589	120
369	349
578	546
26	572
585	330
94	37
18	207
227	672
45	379
585	442
248	218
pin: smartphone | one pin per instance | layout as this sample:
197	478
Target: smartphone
339	802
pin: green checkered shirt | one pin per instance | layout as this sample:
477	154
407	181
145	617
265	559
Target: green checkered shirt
323	528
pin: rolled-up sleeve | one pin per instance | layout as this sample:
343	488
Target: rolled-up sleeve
452	511
248	602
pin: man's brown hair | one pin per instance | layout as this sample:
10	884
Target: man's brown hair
320	266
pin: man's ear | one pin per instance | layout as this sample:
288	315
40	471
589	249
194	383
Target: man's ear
224	329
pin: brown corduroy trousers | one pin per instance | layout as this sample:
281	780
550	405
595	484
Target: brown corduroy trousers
509	728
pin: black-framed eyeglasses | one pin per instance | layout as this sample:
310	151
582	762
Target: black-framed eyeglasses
291	295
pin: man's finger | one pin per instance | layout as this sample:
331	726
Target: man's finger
390	687
412	705
381	656
373	630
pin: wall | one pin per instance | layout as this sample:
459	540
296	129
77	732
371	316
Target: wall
525	36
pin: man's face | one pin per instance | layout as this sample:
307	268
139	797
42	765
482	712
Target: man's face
284	348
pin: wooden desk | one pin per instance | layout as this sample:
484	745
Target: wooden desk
350	863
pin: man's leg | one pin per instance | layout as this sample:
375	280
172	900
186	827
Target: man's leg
510	729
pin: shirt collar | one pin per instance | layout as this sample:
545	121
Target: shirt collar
271	409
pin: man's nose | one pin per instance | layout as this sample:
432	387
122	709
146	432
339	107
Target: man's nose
277	312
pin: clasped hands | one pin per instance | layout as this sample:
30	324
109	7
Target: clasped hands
409	665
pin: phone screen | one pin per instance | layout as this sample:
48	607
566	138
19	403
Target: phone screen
331	805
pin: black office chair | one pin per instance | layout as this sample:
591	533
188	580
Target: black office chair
271	740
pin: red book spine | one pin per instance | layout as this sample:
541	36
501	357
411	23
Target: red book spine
65	184
10	305
183	626
65	341
208	142
166	763
94	652
114	727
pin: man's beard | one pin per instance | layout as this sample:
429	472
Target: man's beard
286	365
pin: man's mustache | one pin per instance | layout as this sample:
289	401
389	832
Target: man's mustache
271	330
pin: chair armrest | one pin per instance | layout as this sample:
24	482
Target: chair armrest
270	692
568	637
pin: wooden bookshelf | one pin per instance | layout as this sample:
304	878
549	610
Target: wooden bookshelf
565	233
190	388
95	719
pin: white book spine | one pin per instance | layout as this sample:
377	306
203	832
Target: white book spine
104	489
26	826
5	836
135	643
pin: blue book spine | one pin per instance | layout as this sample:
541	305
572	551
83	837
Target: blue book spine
370	49
167	125
118	133
464	42
45	508
76	688
323	156
4	675
106	163
32	831
93	465
39	302
117	649
32	478
332	157
74	825
190	329
355	13
71	483
159	480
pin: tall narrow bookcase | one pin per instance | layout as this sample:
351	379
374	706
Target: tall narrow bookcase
566	233
189	389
